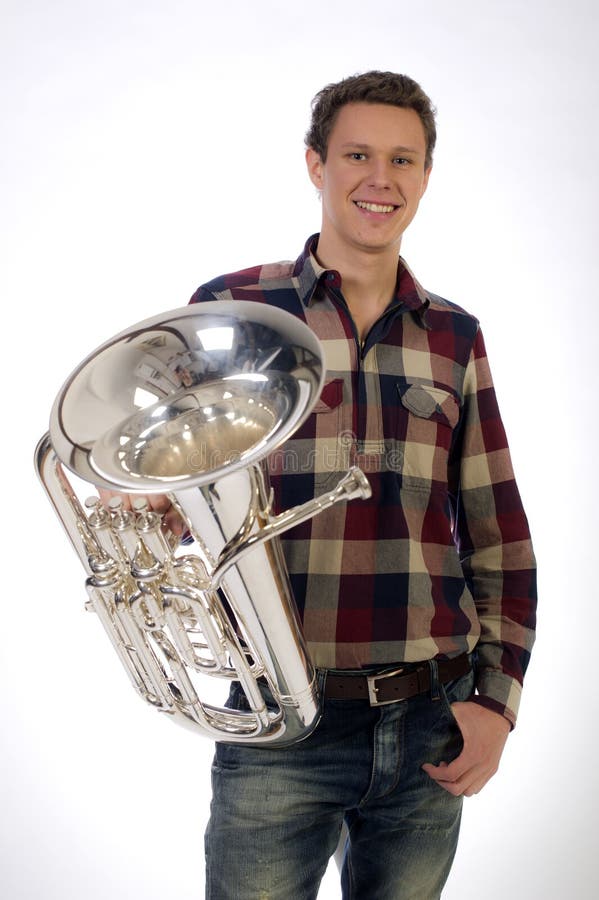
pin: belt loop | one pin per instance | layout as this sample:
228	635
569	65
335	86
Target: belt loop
321	679
435	692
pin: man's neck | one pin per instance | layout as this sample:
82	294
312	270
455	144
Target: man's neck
368	279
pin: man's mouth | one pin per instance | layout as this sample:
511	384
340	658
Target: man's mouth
375	207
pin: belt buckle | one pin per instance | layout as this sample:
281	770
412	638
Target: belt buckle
373	689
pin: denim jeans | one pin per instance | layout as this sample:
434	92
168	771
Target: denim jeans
277	813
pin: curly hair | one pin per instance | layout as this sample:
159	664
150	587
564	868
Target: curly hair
370	87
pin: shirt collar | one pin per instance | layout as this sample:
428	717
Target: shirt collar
409	293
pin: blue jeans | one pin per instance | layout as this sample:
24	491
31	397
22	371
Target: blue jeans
276	814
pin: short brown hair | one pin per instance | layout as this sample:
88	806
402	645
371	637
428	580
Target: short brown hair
370	87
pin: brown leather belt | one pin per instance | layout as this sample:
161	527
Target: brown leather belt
395	684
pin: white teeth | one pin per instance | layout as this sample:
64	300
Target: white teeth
374	207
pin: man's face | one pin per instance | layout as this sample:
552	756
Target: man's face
373	178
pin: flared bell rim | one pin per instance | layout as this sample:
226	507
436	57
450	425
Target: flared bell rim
186	397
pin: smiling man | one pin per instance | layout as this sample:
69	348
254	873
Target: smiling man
418	605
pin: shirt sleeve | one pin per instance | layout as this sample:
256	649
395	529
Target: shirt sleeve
200	295
493	541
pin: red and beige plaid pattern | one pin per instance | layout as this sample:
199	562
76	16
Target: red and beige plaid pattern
439	560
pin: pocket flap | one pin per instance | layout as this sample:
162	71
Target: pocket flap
330	397
430	402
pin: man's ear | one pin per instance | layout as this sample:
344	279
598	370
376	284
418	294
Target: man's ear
315	167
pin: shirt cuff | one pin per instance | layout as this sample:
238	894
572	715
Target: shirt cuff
498	692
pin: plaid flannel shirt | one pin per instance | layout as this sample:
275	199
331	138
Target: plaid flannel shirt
439	561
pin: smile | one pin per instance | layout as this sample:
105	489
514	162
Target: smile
375	207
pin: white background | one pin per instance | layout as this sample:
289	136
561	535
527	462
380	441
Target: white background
148	146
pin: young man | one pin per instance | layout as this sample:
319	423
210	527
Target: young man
430	583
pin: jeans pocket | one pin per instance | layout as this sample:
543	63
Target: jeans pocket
457	691
445	738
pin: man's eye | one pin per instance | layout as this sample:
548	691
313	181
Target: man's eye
401	161
357	156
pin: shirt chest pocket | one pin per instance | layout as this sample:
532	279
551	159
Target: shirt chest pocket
426	418
330	399
315	449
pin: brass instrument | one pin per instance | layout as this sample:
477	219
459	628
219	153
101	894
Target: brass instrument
190	404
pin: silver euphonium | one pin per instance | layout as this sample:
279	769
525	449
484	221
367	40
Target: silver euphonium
190	404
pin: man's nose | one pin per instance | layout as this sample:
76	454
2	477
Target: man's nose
380	174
